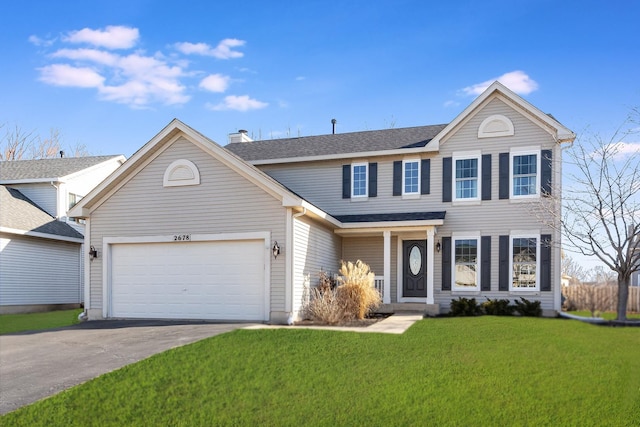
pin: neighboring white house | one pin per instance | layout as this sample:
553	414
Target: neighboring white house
189	229
41	263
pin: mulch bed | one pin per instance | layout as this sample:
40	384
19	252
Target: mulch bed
367	321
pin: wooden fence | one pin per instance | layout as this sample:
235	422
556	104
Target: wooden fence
598	298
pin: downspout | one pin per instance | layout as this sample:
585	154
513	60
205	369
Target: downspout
291	259
57	215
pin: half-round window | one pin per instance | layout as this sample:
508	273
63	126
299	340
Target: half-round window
496	125
181	172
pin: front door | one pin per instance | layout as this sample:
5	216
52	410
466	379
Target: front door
414	270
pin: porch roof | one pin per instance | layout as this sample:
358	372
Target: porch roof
391	217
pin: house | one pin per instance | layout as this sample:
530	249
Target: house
189	229
41	265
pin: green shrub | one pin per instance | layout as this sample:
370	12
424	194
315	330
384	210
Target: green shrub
498	307
465	307
528	308
356	289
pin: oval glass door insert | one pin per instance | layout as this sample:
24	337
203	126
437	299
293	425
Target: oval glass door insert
415	260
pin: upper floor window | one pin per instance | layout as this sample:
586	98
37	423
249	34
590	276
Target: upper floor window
525	170
466	178
524	263
466	264
73	199
360	179
411	174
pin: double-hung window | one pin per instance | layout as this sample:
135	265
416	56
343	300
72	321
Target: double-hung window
411	177
359	179
466	257
467	177
524	263
524	174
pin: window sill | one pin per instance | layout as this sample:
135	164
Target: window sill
359	198
523	199
466	292
528	292
410	196
462	202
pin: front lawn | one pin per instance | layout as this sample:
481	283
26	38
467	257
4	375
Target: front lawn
609	315
10	323
482	371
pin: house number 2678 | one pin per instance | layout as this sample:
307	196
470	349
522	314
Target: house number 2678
181	237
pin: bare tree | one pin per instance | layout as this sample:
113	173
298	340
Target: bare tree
18	144
572	269
601	206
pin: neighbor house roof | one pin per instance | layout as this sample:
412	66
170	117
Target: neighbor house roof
19	215
48	169
354	143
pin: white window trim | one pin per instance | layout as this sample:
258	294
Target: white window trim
463	289
465	156
170	180
525	152
415	193
366	181
524	236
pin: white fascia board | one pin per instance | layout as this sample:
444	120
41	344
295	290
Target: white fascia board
120	158
319	213
430	147
40	235
31	181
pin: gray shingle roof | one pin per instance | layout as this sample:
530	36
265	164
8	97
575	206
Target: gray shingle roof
17	211
385	217
47	168
342	143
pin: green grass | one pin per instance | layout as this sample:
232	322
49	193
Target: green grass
608	315
10	323
481	371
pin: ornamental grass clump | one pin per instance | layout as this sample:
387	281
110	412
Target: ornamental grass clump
356	289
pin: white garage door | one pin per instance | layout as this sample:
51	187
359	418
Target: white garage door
222	280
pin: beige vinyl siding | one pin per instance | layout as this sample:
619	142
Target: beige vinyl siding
487	218
316	249
39	271
44	195
223	202
370	250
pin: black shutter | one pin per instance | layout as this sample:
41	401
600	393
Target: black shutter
346	181
503	264
486	177
545	262
485	269
446	179
397	178
373	179
545	171
425	176
503	166
446	263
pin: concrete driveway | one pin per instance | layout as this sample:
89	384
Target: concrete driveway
35	365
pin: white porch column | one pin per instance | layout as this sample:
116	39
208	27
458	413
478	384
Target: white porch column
430	264
386	294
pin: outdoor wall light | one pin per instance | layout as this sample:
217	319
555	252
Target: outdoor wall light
93	253
438	246
275	249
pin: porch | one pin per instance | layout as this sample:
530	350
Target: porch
403	307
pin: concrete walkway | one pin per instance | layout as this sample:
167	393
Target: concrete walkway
395	324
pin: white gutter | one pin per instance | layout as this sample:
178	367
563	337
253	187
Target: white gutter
41	235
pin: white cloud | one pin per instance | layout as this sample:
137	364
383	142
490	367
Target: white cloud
112	37
620	150
222	51
37	41
448	104
92	55
133	77
517	81
300	78
215	83
66	75
238	103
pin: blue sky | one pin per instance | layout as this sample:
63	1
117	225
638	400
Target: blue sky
110	75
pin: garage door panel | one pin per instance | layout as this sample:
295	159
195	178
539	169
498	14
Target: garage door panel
190	280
